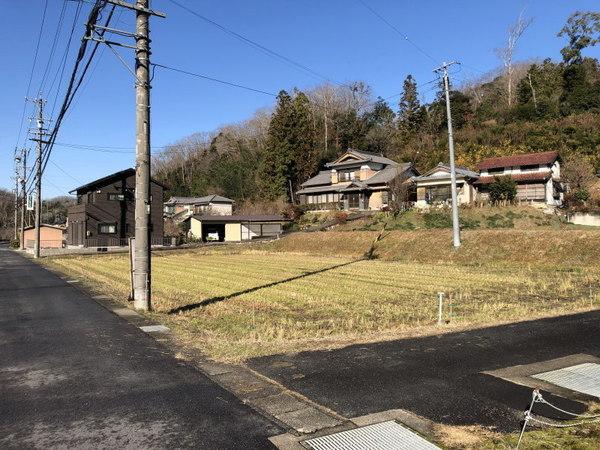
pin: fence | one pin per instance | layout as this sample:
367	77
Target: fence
104	241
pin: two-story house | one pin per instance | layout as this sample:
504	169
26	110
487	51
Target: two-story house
537	176
182	208
355	181
105	212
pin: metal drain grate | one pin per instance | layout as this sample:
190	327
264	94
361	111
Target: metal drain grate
584	378
388	435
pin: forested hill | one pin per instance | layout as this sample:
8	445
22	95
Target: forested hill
522	107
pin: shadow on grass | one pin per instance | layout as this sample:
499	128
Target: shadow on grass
212	300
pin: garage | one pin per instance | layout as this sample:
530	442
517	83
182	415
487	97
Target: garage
235	228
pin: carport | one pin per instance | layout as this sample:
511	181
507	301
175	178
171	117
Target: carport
235	228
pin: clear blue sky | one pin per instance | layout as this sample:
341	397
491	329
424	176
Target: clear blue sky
340	39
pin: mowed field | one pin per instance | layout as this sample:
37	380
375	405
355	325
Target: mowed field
236	302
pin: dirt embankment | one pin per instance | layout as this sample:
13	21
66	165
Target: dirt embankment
562	248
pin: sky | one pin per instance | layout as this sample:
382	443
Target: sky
341	40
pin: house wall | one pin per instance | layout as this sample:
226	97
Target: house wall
217	209
466	191
195	228
95	208
49	237
233	232
376	200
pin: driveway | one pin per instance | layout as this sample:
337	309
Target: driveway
72	375
438	377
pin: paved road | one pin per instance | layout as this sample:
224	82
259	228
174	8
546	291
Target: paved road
437	377
73	374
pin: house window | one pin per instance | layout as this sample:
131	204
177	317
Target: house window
384	197
496	170
107	228
115	196
353	200
530	168
438	194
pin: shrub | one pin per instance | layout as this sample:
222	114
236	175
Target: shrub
469	224
437	219
503	189
341	217
581	195
499	221
14	243
292	212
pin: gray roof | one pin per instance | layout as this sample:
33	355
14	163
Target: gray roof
388	173
240	218
461	172
363	157
323	177
207	199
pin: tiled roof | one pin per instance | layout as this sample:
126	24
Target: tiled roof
388	174
518	160
460	172
533	176
363	157
323	177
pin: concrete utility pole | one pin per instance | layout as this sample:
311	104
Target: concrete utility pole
38	174
17	162
24	194
142	270
455	220
142	267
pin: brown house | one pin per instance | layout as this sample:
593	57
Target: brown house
104	214
51	236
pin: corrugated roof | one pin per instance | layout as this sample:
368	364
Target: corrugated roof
518	160
240	218
533	176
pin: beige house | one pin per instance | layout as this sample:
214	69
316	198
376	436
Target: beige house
355	181
234	228
51	236
434	187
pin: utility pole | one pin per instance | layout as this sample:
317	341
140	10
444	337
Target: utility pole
17	162
39	140
455	221
142	270
24	152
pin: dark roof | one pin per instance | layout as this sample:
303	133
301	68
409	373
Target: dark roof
523	177
198	200
240	218
518	160
108	180
323	177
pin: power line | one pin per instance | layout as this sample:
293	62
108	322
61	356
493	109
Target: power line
35	56
216	80
65	172
53	47
268	51
393	27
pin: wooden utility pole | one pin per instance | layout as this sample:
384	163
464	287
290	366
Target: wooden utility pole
455	219
24	195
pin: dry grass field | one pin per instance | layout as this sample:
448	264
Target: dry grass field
236	302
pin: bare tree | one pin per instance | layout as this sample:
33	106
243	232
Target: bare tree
507	53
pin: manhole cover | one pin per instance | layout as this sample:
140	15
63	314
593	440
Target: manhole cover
584	378
388	435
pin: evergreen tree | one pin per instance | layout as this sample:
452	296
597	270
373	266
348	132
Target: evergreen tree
277	157
410	114
305	158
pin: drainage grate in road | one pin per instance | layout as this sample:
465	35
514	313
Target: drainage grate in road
584	378
388	435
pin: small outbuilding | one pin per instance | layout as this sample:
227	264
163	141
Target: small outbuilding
234	228
51	236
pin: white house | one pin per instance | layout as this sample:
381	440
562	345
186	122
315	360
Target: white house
537	176
435	186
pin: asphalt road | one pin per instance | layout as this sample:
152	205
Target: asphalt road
74	375
438	377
